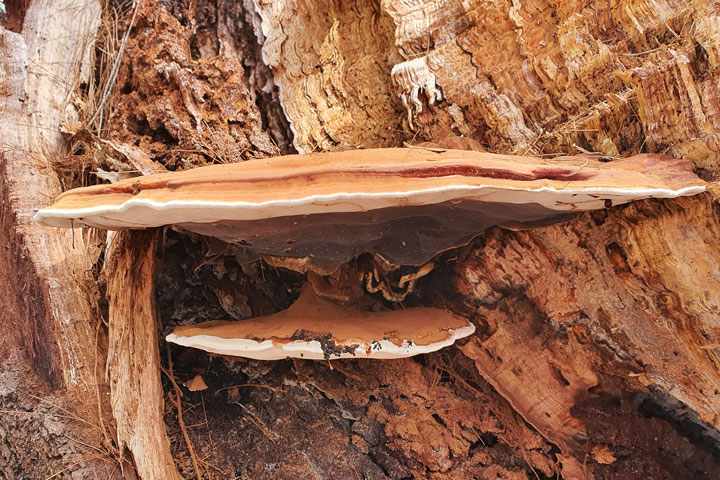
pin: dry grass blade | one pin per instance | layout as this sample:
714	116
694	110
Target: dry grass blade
110	83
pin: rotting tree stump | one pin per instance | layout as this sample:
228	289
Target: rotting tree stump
596	352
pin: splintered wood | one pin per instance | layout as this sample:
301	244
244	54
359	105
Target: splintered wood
133	364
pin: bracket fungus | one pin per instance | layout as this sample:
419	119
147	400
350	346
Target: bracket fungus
315	328
317	212
406	204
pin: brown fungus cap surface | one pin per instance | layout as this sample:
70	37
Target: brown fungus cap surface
407	204
314	328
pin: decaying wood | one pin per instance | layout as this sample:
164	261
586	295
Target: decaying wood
647	328
596	351
331	70
518	76
133	362
187	97
35	81
53	356
521	78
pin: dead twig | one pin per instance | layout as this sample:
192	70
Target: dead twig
276	389
178	405
250	416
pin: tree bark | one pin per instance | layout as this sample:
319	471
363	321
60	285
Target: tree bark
596	353
54	418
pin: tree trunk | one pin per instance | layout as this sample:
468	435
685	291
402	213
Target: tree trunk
54	419
597	350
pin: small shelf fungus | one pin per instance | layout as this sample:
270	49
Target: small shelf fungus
315	328
315	213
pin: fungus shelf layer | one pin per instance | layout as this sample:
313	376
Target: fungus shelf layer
406	204
314	328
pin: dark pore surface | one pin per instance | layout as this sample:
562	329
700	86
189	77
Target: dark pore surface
410	235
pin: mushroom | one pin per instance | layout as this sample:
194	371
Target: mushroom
196	384
314	213
318	211
315	328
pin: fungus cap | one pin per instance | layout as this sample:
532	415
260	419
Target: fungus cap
362	180
406	204
327	331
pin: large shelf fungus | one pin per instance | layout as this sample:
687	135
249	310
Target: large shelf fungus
315	213
406	204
